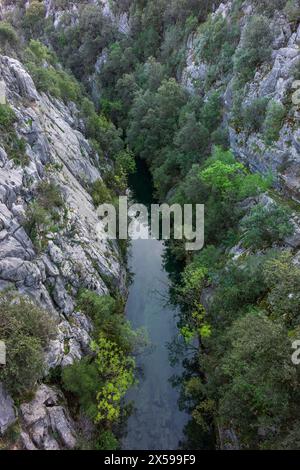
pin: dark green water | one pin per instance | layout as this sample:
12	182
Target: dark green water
156	423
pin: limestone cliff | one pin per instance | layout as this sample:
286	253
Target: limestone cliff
75	256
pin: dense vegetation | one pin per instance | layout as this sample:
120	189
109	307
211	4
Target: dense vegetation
26	330
240	296
100	380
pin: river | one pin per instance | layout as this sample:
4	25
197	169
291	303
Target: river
156	422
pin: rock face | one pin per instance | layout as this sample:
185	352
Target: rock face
275	81
283	156
75	256
7	410
47	422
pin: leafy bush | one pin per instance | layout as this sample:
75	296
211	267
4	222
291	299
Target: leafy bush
7	117
220	137
14	146
225	182
99	385
256	47
274	120
108	318
100	193
267	7
43	213
254	114
292	10
192	138
8	34
211	112
266	225
26	330
117	371
41	63
107	441
258	378
49	195
125	163
240	285
34	19
218	41
283	279
83	380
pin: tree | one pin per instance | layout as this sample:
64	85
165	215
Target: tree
254	113
266	225
283	278
275	115
26	330
34	19
82	379
117	372
154	119
256	47
192	139
259	379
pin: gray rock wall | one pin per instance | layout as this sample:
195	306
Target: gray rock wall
75	256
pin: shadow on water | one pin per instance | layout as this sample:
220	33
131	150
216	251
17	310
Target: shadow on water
156	423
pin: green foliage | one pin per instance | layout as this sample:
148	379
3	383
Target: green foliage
26	330
292	10
107	441
253	114
14	146
42	65
125	162
218	40
83	380
80	45
99	382
7	117
229	179
268	8
49	195
8	34
102	132
192	138
193	281
256	48
154	117
259	379
266	225
117	371
211	112
283	279
240	285
34	19
100	193
222	182
43	212
108	318
275	115
224	178
220	137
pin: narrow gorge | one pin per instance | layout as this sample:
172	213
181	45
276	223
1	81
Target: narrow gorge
114	344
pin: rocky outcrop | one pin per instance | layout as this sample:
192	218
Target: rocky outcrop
282	157
7	411
274	81
75	256
47	422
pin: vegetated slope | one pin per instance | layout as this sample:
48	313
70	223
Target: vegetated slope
206	93
62	283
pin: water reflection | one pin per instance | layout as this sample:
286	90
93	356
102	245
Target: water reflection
156	423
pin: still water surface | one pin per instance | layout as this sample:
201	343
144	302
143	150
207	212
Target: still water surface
156	423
